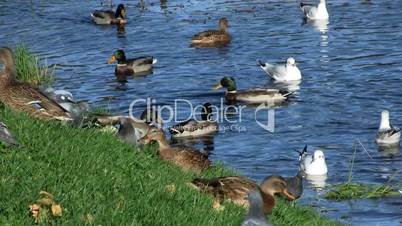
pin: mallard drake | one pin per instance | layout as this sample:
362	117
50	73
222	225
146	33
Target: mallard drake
196	128
125	67
236	188
213	38
184	157
251	96
318	12
282	72
104	17
6	136
23	96
256	215
387	135
312	165
295	185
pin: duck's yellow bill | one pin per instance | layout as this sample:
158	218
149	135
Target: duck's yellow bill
217	86
111	59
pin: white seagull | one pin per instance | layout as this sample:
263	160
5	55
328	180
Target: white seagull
318	12
387	134
282	72
313	164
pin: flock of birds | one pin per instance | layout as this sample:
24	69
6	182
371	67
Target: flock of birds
52	104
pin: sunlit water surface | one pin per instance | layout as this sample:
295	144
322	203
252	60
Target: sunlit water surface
351	71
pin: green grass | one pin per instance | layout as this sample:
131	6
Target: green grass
359	190
29	68
99	180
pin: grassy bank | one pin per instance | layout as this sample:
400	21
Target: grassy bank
29	68
359	191
99	180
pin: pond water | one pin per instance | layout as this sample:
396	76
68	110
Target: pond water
352	70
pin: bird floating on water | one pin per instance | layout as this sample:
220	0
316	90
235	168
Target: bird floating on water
318	12
282	72
312	164
104	17
256	215
213	38
387	134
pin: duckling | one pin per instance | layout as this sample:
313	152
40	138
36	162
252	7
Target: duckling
236	188
213	38
312	165
23	96
104	17
318	12
387	135
282	73
256	215
295	185
125	67
185	157
6	136
195	128
251	96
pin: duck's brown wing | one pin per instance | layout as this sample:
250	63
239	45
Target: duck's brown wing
207	34
191	159
31	99
234	188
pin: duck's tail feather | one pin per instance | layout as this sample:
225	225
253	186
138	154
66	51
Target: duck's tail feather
285	93
154	61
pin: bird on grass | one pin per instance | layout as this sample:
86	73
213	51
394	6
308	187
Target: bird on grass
256	215
6	136
23	96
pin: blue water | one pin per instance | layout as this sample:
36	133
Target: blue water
352	70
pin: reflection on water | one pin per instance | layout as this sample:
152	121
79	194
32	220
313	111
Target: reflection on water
351	70
317	181
389	151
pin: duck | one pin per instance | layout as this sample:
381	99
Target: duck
26	97
256	215
196	128
187	158
6	137
213	38
387	135
313	165
282	73
105	17
318	12
295	185
251	96
131	129
236	188
126	67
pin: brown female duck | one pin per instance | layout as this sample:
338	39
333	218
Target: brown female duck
104	17
236	189
25	97
213	38
126	67
185	157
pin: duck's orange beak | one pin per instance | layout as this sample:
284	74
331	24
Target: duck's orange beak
217	86
111	59
287	194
